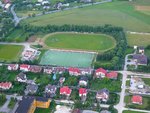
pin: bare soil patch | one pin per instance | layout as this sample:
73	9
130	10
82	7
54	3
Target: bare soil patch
142	8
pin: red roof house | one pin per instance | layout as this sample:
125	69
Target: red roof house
5	85
100	73
65	90
74	71
25	67
82	92
13	67
112	75
136	99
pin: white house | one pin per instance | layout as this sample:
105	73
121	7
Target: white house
13	67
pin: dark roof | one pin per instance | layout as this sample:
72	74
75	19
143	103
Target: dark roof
141	47
43	99
22	76
84	78
141	59
24	105
103	90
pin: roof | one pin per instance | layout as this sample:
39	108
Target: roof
24	105
74	70
103	91
101	70
6	1
141	47
12	65
42	99
50	87
141	59
89	111
5	84
84	78
24	66
137	99
82	91
35	68
22	76
32	87
112	74
65	90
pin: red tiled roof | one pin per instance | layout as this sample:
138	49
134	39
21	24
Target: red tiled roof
74	70
82	91
5	84
24	66
65	90
101	70
112	74
137	99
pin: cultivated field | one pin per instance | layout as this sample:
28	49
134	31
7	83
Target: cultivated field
138	39
10	52
116	13
67	59
77	41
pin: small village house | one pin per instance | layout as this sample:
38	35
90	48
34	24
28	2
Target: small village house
102	95
25	67
137	99
35	69
112	75
61	80
48	70
100	73
5	85
13	67
21	77
65	90
141	50
140	59
31	88
83	81
74	71
50	90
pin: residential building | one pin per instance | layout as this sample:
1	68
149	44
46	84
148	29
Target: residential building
86	71
35	69
83	81
65	90
31	88
136	99
102	95
5	85
100	73
112	75
21	77
59	70
13	67
25	67
141	50
48	70
82	92
74	71
50	90
140	59
61	80
29	104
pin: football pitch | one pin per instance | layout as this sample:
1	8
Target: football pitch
67	59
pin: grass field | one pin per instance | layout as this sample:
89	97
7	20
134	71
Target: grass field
92	42
127	111
138	39
10	52
116	13
67	59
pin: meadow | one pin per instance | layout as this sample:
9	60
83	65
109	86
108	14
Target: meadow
77	41
138	39
117	13
10	52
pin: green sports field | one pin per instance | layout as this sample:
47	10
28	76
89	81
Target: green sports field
78	41
138	39
10	52
121	13
67	59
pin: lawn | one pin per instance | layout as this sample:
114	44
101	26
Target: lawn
118	13
12	103
146	81
92	42
145	105
138	39
10	52
127	111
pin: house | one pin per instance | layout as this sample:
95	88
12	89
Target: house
100	73
65	90
58	5
136	99
59	70
13	67
83	81
29	104
87	71
112	75
48	70
141	50
21	77
31	88
102	95
25	67
82	92
45	2
7	6
140	59
105	111
74	71
35	69
5	85
61	80
50	90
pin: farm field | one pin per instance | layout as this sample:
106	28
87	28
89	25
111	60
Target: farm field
116	13
90	42
67	59
10	52
138	39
